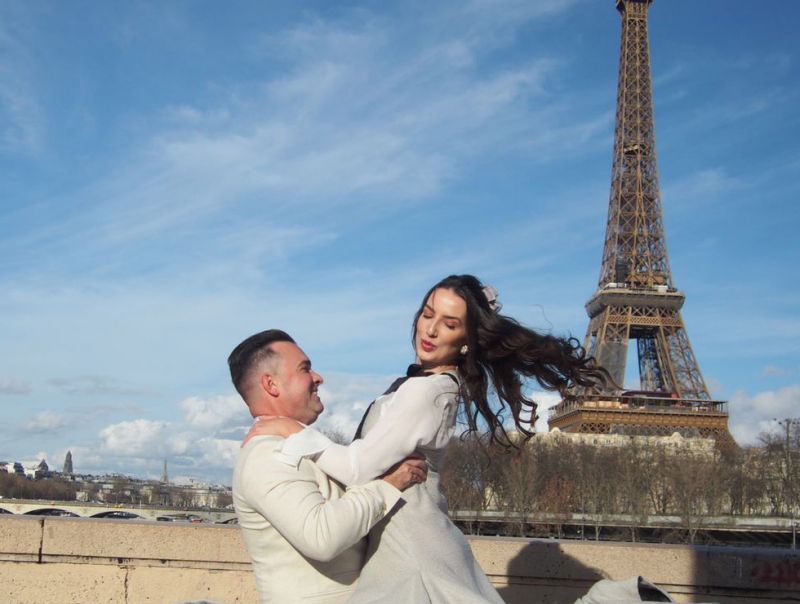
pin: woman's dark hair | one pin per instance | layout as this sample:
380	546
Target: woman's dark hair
501	354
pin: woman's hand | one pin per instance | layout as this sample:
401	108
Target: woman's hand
275	426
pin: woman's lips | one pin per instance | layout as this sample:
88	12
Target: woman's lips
427	346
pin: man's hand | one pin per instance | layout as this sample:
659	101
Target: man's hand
276	426
412	470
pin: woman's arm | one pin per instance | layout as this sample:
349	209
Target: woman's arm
413	418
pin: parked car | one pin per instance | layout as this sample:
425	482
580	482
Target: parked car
51	512
119	514
193	518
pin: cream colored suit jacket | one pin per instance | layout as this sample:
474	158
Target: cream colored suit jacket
302	530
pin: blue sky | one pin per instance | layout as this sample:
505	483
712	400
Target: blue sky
177	176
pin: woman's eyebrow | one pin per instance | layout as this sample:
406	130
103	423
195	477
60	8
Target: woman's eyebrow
447	317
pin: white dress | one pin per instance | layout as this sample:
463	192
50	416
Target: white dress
416	554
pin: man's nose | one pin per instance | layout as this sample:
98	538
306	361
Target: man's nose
316	377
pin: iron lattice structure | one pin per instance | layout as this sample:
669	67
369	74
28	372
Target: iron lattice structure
636	298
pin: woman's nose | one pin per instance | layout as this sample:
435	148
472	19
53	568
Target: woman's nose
430	329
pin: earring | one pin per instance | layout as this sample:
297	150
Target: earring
464	349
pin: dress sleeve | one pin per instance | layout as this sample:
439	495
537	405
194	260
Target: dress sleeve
414	417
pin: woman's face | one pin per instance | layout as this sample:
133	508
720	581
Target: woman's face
441	329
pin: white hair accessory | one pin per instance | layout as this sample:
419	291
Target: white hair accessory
491	298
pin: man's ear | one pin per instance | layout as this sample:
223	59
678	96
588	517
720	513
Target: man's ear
269	385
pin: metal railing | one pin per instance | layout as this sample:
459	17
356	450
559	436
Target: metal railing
637	402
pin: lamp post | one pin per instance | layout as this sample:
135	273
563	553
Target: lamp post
791	430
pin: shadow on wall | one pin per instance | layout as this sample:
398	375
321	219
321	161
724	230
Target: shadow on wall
553	572
750	574
543	572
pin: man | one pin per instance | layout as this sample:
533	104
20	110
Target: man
302	530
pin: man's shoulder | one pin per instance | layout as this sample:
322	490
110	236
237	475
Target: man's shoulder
262	456
258	448
261	468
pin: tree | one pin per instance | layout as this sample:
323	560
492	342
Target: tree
782	456
468	474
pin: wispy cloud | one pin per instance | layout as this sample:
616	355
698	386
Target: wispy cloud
707	185
88	385
22	122
348	127
14	387
45	422
771	371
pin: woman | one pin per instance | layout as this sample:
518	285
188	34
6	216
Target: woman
463	347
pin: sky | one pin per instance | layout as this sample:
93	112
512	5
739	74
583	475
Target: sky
180	175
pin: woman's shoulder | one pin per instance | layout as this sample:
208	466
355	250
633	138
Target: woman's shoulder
434	382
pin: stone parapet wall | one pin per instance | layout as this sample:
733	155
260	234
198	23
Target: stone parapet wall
66	561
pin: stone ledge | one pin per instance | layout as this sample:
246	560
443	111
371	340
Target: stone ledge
78	560
177	544
20	538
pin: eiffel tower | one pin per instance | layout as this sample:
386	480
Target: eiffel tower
636	298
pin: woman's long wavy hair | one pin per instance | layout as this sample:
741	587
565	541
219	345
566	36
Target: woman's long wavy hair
501	354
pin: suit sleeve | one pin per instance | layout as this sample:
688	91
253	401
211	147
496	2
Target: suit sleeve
289	498
414	418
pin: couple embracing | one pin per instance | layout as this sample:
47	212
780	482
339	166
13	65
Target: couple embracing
367	522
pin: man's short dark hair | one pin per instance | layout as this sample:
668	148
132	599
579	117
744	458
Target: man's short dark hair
252	351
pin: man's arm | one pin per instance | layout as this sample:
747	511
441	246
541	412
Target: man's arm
290	499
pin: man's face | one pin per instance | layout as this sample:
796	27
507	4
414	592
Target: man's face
297	384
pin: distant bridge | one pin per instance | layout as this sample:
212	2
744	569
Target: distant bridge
741	530
110	510
729	530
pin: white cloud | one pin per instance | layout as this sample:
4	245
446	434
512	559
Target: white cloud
85	459
219	452
546	401
193	447
45	421
137	437
14	386
214	413
751	415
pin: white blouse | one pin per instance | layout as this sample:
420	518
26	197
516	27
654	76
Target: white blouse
420	414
